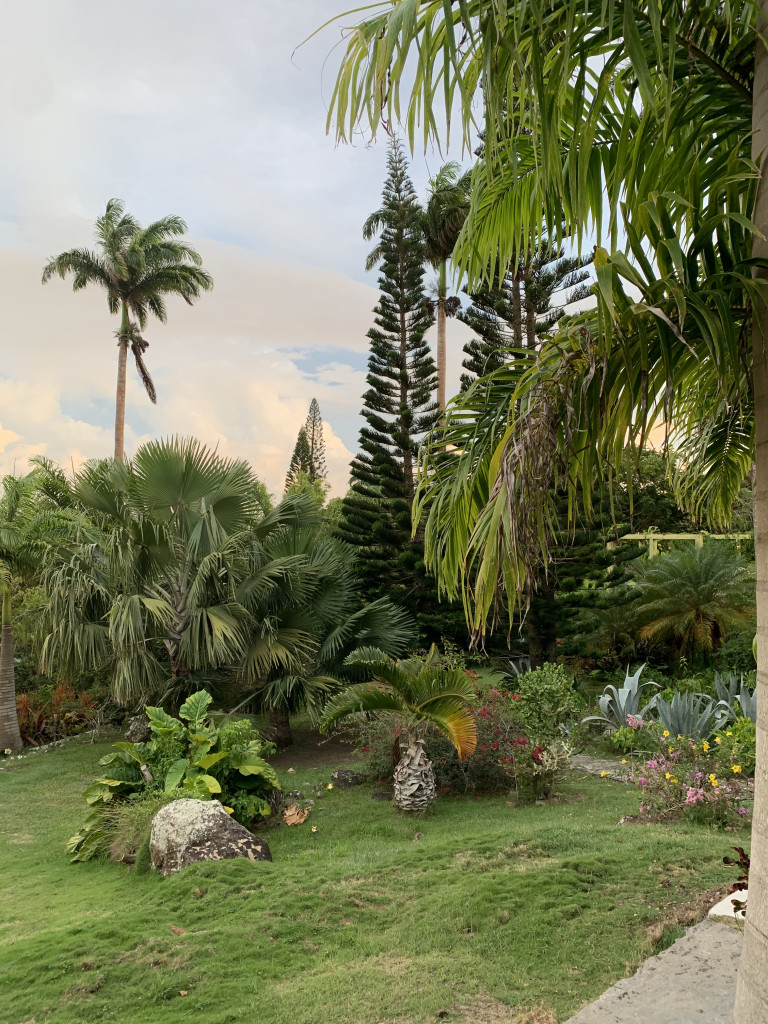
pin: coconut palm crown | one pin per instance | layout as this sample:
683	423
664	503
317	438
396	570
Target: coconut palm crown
421	692
137	267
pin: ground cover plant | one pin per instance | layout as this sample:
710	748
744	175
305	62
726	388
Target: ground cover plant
376	917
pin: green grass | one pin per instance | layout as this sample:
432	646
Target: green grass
362	923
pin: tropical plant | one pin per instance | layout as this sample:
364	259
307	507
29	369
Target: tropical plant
543	701
301	461
644	119
620	706
737	696
443	218
161	580
137	267
189	756
694	715
419	694
693	595
738	743
322	606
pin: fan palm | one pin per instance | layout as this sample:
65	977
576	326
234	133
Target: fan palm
420	694
137	267
645	122
693	595
321	605
165	575
446	210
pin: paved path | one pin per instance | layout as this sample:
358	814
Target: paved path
692	982
598	765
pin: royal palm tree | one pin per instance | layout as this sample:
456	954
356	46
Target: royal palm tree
693	596
444	215
137	267
419	694
647	122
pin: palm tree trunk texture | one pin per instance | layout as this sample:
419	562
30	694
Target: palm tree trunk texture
10	737
752	987
280	728
441	327
414	788
122	363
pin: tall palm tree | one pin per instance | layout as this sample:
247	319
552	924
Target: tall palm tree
419	694
647	122
444	215
137	267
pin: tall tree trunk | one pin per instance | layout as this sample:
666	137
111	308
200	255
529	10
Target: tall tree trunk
752	986
10	737
122	363
406	431
280	728
441	326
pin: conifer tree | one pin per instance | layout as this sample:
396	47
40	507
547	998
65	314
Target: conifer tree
301	460
399	404
316	442
521	309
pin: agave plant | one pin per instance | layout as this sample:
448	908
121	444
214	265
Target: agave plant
620	705
421	693
741	701
692	714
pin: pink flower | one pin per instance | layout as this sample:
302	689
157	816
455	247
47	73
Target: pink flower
742	811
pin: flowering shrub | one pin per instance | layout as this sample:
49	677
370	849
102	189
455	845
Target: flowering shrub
48	714
630	737
693	780
534	768
737	744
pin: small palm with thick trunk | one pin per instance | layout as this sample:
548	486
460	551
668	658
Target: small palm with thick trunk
137	267
421	694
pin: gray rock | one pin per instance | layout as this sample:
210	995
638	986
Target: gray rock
138	730
189	831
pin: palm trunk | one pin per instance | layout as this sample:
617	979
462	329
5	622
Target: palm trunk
414	788
441	326
752	986
10	737
280	728
122	363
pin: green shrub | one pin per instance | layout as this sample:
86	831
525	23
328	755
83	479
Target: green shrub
543	701
189	756
738	743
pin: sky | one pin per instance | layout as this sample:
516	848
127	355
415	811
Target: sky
207	111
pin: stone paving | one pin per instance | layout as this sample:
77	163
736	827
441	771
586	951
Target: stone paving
692	982
599	765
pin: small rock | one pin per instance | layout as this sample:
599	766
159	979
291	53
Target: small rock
138	730
189	831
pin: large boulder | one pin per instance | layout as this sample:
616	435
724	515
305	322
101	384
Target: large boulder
189	831
138	729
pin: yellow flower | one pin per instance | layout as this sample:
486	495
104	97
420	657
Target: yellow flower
603	774
665	733
673	779
679	736
713	779
671	750
623	760
329	786
718	740
729	734
705	746
667	775
736	768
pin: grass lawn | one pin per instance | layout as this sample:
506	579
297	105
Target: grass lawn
480	909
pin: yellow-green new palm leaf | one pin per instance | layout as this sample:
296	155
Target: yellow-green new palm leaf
420	692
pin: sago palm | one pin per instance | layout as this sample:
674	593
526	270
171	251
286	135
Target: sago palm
693	596
444	215
419	695
642	122
137	267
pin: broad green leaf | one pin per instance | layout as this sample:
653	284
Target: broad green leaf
175	774
195	709
162	723
210	760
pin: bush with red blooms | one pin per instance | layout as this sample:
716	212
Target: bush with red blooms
50	713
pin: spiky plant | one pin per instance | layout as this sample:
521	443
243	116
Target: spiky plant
420	695
137	267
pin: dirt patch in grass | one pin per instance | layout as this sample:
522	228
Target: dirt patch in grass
156	955
312	750
83	989
485	1010
681	915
